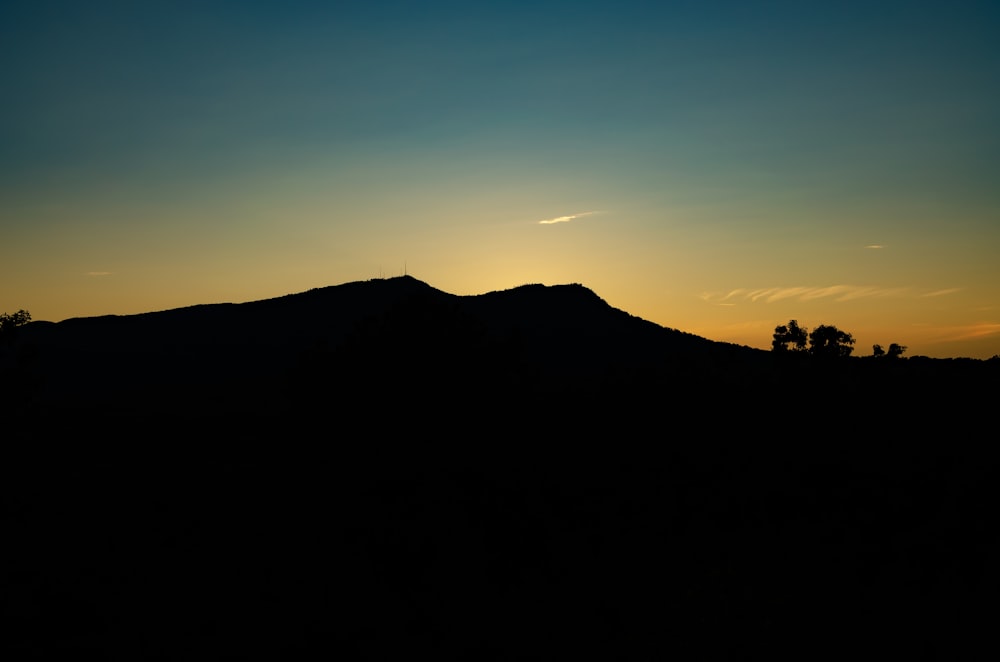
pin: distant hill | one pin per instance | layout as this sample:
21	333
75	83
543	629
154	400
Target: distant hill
413	347
380	469
345	340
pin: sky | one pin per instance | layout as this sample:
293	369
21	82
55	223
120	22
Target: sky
717	167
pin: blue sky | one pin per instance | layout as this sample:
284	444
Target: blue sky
841	158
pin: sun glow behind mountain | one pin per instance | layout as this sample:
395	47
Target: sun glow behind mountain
717	170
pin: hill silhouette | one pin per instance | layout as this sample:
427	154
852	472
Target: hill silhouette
377	468
415	348
349	341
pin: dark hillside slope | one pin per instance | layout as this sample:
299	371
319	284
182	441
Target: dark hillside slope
517	356
572	321
377	470
350	341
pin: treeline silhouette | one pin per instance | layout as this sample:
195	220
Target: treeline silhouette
825	341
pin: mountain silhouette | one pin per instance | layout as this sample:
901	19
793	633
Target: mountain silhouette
379	334
528	352
380	468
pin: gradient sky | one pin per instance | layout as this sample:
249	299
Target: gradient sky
716	167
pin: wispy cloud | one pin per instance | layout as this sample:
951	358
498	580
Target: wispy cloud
803	293
98	273
874	246
971	331
837	291
565	219
941	293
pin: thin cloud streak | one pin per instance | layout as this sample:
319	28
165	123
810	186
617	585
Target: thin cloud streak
971	332
834	292
565	219
941	293
777	294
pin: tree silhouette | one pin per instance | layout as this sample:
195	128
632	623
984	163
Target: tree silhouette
895	351
824	340
789	338
10	322
15	380
828	340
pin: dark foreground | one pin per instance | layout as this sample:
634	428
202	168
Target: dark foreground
461	496
380	534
